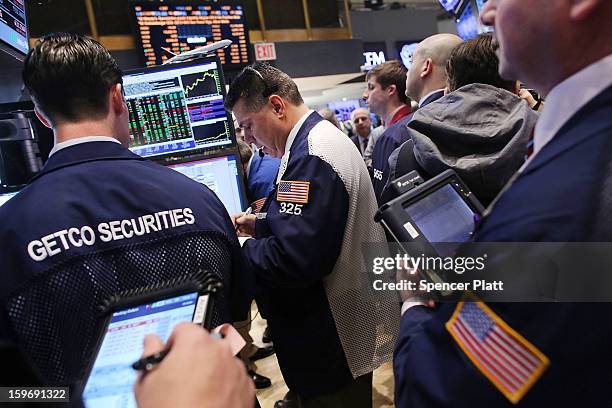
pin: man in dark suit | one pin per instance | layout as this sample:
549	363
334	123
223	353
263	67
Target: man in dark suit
362	124
560	194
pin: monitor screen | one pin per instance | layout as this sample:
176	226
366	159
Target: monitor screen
443	216
177	108
467	23
449	5
110	383
343	109
4	197
169	28
405	49
13	29
221	175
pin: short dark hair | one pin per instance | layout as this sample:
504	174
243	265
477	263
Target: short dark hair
257	82
474	61
391	73
69	76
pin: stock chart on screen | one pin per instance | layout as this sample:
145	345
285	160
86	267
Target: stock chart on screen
176	108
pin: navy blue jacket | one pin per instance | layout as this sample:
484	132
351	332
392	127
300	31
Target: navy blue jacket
392	138
262	176
296	247
555	199
95	183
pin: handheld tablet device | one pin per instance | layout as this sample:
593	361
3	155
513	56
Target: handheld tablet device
129	319
435	217
440	210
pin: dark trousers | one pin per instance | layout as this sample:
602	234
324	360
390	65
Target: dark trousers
357	394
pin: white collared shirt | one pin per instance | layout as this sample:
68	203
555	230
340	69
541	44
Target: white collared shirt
568	97
423	99
290	139
79	140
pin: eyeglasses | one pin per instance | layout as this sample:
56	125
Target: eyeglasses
268	90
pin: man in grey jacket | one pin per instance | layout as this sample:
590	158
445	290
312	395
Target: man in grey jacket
480	129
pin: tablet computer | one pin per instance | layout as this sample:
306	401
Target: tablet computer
438	213
128	320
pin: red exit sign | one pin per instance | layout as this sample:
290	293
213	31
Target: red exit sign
265	52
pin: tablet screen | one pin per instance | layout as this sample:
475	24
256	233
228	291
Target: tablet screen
110	384
443	216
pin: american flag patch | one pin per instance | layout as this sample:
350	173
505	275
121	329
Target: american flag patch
505	357
258	205
293	191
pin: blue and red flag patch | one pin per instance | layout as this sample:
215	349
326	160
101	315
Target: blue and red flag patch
293	191
505	357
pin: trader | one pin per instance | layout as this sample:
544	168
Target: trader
306	255
385	95
532	355
114	219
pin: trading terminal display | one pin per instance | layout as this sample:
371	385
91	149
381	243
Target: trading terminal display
177	108
13	24
220	174
167	30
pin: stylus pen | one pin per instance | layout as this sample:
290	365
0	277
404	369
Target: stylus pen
247	212
149	362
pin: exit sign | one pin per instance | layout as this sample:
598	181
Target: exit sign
265	52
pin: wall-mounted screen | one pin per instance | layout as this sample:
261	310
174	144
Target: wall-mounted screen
169	28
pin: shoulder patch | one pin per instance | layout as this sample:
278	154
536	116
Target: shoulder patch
505	357
258	205
293	191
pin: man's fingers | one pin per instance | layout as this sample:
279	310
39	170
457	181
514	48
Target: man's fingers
152	345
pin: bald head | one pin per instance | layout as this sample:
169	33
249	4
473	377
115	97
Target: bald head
428	70
362	123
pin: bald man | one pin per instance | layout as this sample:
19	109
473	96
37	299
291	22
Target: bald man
426	79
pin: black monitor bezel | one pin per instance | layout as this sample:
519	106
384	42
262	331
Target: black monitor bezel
171	156
138	38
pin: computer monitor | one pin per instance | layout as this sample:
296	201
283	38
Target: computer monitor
165	28
177	108
221	174
343	109
467	23
405	49
13	29
438	211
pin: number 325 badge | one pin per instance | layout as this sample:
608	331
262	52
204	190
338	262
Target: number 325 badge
292	195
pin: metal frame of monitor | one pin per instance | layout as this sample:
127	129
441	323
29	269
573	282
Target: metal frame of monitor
171	157
136	28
